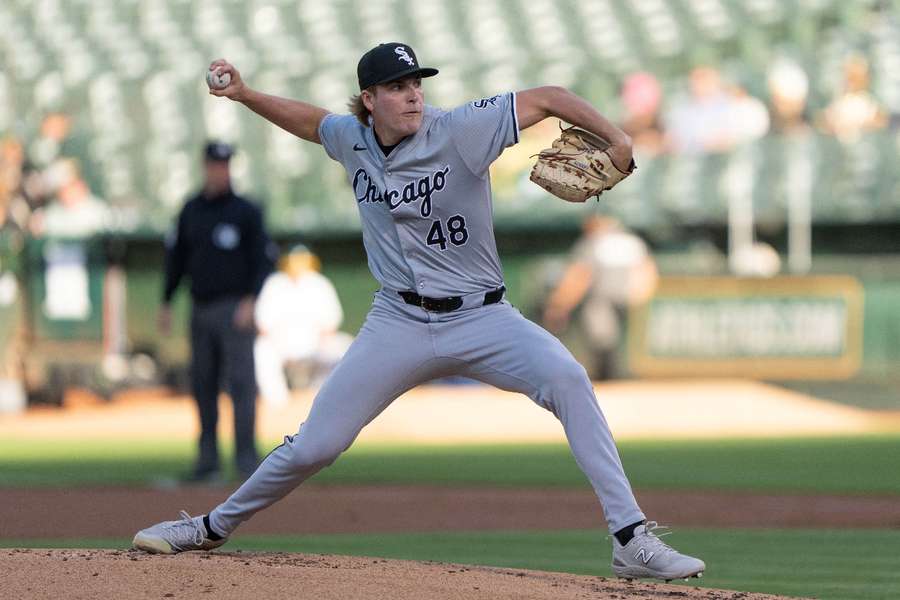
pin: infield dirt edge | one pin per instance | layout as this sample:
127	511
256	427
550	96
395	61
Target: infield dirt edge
53	574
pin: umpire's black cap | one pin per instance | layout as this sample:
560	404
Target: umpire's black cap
218	151
389	62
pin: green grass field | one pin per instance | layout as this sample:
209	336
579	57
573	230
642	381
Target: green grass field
828	564
838	465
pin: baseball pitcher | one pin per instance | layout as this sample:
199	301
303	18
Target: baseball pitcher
419	176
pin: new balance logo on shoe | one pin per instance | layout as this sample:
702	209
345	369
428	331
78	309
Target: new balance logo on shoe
648	556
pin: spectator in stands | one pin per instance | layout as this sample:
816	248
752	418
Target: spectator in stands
297	315
700	122
47	147
611	269
220	243
58	144
36	186
716	117
60	137
855	110
788	92
23	188
641	99
748	117
74	211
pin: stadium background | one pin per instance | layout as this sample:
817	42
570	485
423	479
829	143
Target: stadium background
128	76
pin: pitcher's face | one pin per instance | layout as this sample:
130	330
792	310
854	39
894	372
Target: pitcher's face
396	108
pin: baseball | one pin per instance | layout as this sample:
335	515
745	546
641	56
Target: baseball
216	81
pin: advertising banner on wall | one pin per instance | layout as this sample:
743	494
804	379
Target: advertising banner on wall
775	328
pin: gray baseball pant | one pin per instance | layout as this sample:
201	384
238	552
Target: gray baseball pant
401	346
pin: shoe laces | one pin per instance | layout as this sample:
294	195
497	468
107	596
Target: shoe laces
650	529
194	527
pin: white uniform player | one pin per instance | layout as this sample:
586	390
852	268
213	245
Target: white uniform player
297	315
420	179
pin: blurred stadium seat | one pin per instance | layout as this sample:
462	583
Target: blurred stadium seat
131	72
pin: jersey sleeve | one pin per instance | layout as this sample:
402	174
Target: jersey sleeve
334	132
482	129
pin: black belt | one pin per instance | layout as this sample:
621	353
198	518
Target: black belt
443	305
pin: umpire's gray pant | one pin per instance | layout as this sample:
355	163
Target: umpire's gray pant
401	346
222	353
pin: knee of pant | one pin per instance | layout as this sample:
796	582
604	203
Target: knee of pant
568	377
306	454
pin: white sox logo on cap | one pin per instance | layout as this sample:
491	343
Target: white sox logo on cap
389	62
400	51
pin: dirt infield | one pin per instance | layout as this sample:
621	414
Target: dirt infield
437	414
90	574
119	512
318	509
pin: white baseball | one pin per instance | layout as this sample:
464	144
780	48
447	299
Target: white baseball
216	81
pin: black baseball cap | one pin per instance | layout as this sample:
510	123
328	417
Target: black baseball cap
389	62
218	151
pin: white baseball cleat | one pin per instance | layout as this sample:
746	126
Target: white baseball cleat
647	556
172	537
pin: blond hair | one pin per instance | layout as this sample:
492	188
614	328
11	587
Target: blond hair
358	108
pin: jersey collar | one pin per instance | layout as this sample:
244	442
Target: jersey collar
408	143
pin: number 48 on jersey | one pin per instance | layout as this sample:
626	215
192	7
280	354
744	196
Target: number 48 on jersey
454	231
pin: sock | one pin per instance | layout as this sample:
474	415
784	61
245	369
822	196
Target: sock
625	534
212	534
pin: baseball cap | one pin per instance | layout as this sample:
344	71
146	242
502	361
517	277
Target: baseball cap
389	62
218	151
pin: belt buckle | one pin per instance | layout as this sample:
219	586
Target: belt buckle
430	304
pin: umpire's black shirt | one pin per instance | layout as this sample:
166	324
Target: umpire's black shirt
221	244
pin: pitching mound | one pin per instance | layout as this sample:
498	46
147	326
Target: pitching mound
55	574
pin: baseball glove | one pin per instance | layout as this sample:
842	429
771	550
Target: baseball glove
577	166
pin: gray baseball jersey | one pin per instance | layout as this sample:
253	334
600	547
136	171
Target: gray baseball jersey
427	227
426	210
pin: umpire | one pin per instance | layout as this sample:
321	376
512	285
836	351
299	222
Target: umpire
220	243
